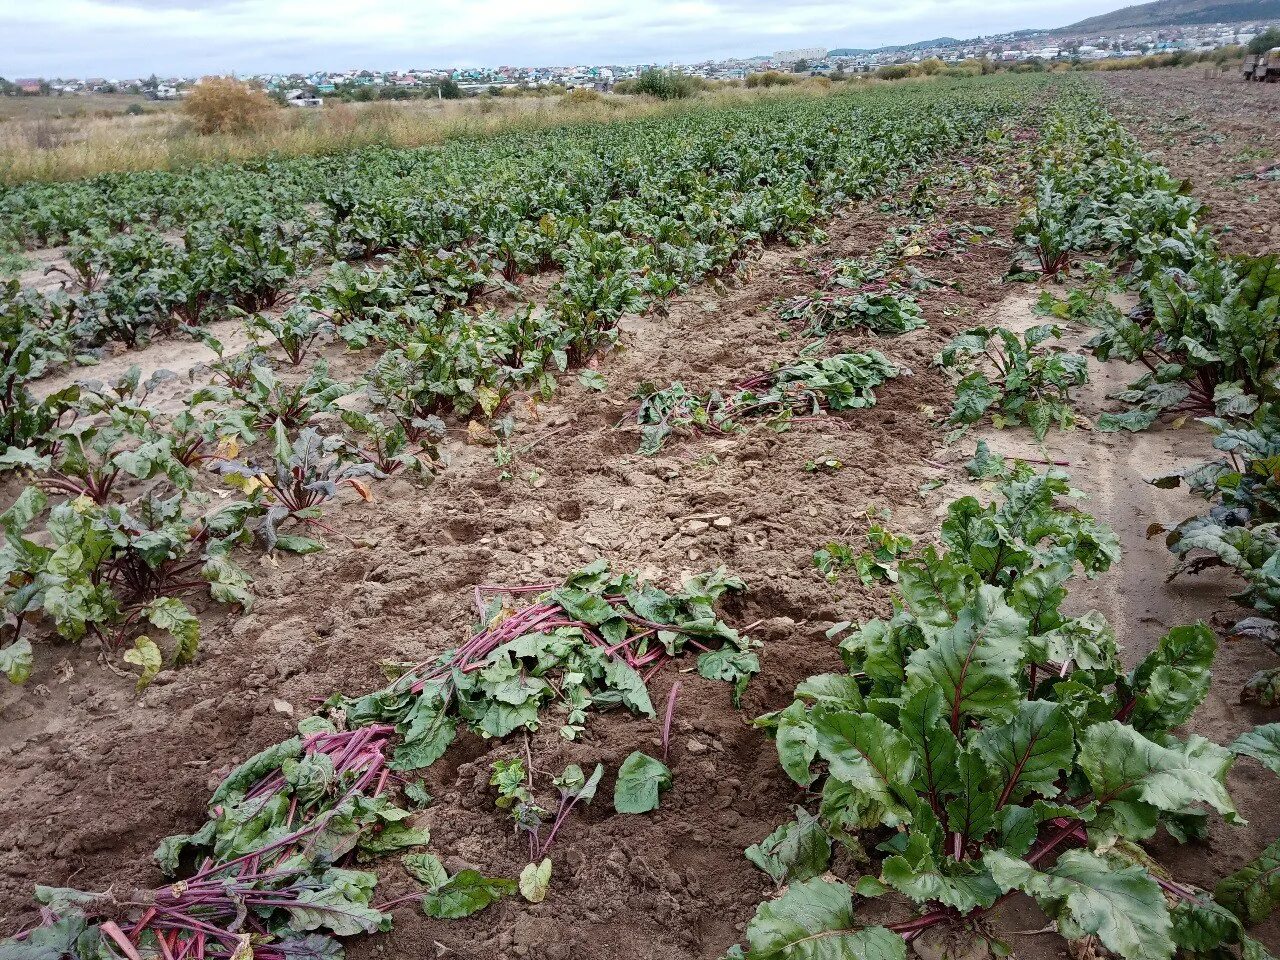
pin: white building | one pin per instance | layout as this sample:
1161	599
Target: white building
802	53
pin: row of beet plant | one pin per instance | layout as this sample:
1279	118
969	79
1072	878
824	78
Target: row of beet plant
117	532
985	742
807	389
1207	330
1207	325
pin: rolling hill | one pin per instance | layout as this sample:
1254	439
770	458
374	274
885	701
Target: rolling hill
1163	13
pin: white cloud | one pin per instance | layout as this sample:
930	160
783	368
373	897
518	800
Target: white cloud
131	37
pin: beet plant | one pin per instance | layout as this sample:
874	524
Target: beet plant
877	563
110	569
805	389
296	332
590	642
1208	336
304	475
1241	530
34	337
885	312
1013	379
389	449
987	743
266	399
268	878
1052	229
1206	326
90	458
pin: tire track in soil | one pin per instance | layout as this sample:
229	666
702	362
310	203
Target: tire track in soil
116	774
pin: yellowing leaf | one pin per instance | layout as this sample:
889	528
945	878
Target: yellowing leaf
489	399
228	448
145	654
534	881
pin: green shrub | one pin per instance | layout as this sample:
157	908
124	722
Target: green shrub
896	71
666	85
771	78
1265	41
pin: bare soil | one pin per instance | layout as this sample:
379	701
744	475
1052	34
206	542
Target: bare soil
115	772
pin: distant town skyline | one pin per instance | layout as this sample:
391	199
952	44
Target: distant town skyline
129	38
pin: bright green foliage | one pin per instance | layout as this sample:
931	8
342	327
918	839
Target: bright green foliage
1261	744
296	332
985	727
876	563
1013	379
266	399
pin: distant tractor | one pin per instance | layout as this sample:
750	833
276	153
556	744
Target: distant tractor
1263	67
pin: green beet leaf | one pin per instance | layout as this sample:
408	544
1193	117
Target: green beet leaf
975	662
641	779
1124	767
1123	907
800	850
1029	752
1253	891
465	893
426	868
872	758
1261	744
814	920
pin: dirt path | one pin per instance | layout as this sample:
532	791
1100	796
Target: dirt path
1221	134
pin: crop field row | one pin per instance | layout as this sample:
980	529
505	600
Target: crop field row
598	543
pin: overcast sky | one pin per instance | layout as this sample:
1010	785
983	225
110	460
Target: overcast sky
127	38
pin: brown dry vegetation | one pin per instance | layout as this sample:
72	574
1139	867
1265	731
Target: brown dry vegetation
225	105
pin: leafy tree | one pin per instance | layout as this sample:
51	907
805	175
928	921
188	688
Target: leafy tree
800	66
1265	41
